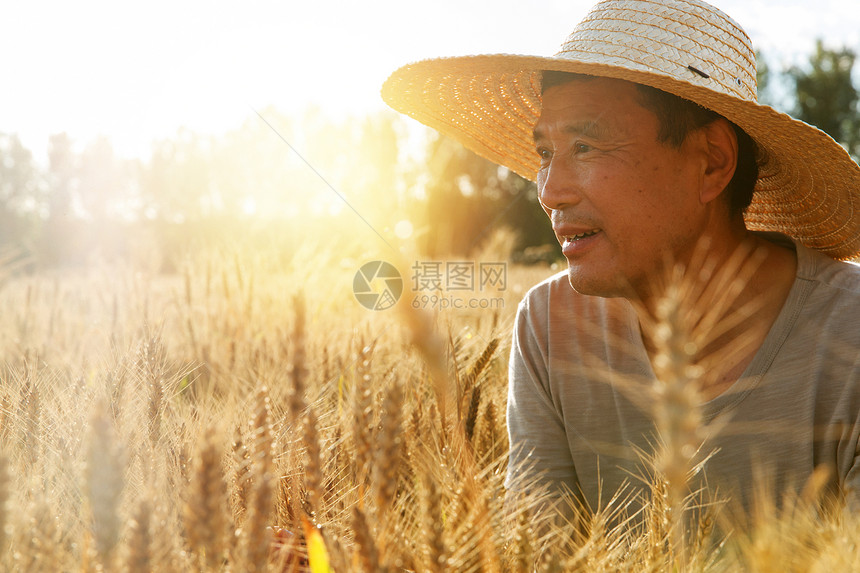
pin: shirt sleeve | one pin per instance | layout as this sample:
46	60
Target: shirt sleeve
539	450
852	484
851	450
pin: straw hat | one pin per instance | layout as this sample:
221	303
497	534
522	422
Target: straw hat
808	186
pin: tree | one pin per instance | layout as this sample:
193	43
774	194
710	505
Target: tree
62	173
468	197
57	229
763	79
107	184
176	184
826	96
21	191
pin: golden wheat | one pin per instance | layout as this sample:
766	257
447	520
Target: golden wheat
179	424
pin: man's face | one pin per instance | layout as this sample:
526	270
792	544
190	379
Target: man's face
619	200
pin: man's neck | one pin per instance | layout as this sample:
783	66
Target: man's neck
724	303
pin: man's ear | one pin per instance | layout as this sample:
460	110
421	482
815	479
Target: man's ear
722	159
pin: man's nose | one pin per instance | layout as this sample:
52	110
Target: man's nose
557	186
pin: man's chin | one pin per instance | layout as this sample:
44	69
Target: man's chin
592	286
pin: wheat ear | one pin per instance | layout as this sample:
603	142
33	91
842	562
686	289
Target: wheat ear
432	348
480	364
368	554
387	458
362	400
314	467
104	484
257	531
491	443
5	495
140	543
31	407
38	546
523	544
432	524
241	458
5	415
152	364
205	518
298	366
472	413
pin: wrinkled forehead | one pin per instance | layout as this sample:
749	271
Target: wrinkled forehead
595	107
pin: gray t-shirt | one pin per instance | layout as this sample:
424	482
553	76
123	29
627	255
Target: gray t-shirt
571	420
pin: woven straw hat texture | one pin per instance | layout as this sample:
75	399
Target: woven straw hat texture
808	186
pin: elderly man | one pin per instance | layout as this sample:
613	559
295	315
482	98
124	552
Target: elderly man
648	145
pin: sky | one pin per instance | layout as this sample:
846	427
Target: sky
137	72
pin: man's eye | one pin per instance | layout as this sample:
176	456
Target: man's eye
580	147
544	153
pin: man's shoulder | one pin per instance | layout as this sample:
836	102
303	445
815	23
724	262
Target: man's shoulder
557	283
826	303
841	277
554	300
555	291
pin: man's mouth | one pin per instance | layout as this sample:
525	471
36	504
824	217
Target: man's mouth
583	235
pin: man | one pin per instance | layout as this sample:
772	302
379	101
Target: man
647	145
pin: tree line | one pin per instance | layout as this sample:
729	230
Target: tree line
195	188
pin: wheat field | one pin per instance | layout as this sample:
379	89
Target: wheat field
247	414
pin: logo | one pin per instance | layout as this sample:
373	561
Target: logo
377	285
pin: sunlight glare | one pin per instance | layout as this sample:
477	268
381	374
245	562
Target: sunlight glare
403	229
249	206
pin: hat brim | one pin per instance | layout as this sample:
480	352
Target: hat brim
808	186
